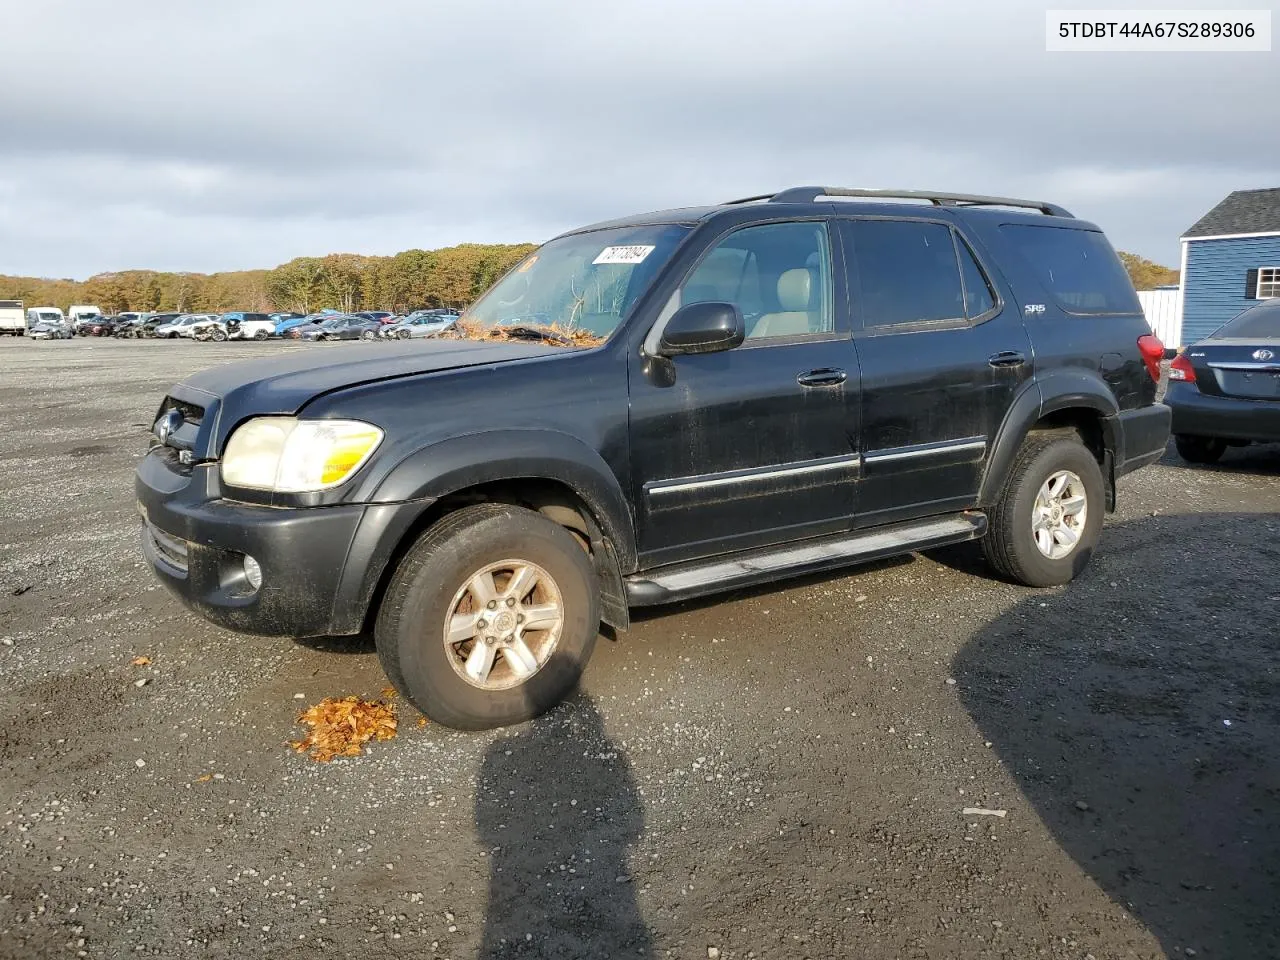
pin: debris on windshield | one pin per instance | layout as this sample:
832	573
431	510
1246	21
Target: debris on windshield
549	333
339	727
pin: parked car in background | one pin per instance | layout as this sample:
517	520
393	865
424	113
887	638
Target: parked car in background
248	326
1225	389
284	326
13	319
96	326
419	325
153	321
194	322
279	318
382	316
39	315
347	327
51	329
173	328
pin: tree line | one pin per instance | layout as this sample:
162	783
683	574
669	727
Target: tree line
412	279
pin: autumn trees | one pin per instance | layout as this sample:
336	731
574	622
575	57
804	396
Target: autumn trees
412	279
451	277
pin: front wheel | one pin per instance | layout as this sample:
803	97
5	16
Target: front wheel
1045	526
403	334
368	335
260	335
490	618
218	334
1199	449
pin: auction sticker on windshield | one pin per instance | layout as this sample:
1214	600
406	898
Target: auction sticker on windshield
633	254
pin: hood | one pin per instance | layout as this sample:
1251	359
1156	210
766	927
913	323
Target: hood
284	385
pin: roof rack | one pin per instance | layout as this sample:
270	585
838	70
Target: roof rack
810	194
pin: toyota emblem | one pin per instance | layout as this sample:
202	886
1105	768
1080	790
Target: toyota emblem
1263	354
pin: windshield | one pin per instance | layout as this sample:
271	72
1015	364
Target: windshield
48	317
577	289
1257	323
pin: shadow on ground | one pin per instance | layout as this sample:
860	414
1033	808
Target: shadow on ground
1139	711
557	810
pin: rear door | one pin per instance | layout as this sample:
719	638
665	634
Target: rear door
942	353
755	445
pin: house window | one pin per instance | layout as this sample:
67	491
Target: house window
1268	282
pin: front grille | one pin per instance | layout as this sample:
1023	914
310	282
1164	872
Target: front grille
171	550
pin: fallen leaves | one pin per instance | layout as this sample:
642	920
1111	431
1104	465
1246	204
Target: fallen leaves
557	335
141	662
204	779
340	727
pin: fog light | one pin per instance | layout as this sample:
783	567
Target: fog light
252	572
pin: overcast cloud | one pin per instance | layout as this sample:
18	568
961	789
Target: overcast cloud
215	136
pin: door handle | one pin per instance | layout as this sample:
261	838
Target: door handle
823	377
1007	358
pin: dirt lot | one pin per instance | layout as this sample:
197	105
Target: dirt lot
780	774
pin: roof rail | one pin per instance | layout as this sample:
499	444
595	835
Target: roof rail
810	194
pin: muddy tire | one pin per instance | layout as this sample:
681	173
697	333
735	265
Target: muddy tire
1199	449
490	618
1045	526
260	335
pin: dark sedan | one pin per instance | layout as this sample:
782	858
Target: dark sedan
336	328
1225	390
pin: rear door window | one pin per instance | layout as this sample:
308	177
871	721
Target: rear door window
907	273
1078	268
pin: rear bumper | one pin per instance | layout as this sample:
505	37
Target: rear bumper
1227	418
321	566
1146	435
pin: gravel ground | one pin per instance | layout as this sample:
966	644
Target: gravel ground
782	773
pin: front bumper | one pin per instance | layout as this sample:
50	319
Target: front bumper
321	566
1226	418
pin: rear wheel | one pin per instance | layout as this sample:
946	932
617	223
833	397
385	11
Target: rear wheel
490	618
1048	520
1199	449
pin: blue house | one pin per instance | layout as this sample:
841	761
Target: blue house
1230	260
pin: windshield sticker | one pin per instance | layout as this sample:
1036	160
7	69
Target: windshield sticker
635	254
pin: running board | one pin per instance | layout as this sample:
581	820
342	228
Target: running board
685	580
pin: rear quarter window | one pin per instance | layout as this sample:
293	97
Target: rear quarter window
1078	268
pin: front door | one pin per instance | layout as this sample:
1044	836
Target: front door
942	353
755	445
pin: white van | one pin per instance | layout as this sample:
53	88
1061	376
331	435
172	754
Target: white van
44	315
12	318
79	311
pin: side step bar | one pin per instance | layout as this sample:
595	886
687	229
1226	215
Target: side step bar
685	580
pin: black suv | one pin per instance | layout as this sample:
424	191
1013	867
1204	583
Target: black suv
660	407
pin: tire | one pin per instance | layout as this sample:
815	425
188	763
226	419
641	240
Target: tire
402	334
1011	546
260	335
367	335
218	335
1195	449
430	587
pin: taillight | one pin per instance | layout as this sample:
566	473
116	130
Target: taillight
1181	369
1152	351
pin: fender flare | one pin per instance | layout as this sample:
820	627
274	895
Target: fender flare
1067	389
449	466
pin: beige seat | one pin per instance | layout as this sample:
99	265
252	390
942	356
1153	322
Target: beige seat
796	289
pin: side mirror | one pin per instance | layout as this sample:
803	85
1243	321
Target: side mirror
707	327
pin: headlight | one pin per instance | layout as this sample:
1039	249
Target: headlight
287	455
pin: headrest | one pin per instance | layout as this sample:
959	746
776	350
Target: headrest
795	289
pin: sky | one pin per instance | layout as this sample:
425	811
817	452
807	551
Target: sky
187	135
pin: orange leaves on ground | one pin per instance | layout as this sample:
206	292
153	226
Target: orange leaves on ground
141	661
205	778
389	692
422	721
339	727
